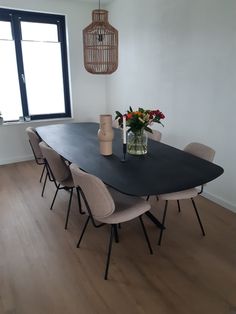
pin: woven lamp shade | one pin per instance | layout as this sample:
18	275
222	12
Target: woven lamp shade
100	45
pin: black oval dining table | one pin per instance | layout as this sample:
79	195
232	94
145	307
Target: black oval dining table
164	169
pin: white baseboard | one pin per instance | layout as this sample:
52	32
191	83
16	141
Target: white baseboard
219	201
16	159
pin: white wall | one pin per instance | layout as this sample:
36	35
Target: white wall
179	56
87	91
14	144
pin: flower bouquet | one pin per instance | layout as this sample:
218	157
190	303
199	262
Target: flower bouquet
138	122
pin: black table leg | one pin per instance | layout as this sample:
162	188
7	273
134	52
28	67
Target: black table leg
155	220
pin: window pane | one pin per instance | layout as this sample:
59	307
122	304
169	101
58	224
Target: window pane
10	100
5	30
43	76
39	31
43	91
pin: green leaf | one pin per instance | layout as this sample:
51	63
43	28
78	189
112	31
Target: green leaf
146	128
118	115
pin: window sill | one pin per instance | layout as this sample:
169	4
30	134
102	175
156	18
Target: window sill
35	121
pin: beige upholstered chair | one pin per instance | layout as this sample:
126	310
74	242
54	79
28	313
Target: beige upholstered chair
107	207
34	141
199	150
155	135
115	124
60	172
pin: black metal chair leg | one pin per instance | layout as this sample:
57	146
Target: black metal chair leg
40	180
147	197
198	217
54	197
44	184
116	234
179	209
109	253
146	235
163	223
69	207
79	202
83	231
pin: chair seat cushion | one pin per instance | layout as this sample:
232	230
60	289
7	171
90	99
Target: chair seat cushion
126	208
181	195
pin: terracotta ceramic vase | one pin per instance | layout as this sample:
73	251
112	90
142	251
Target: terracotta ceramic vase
105	134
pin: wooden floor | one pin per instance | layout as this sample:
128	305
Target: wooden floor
42	271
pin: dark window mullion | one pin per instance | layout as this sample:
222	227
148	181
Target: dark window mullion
62	39
20	64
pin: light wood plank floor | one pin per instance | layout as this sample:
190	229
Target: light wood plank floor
42	271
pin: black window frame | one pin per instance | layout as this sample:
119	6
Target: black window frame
15	17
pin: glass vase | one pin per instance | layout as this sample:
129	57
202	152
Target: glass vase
137	142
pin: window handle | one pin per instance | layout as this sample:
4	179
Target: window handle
23	78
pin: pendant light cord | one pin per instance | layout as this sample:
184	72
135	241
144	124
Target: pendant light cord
99	10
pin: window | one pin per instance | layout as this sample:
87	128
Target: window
33	66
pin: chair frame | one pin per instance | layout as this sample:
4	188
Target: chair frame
210	159
113	233
62	187
39	160
164	218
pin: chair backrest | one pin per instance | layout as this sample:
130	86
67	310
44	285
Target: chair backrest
34	140
115	124
200	150
99	199
57	165
155	135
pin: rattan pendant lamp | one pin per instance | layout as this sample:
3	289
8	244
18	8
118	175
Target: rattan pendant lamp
100	41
